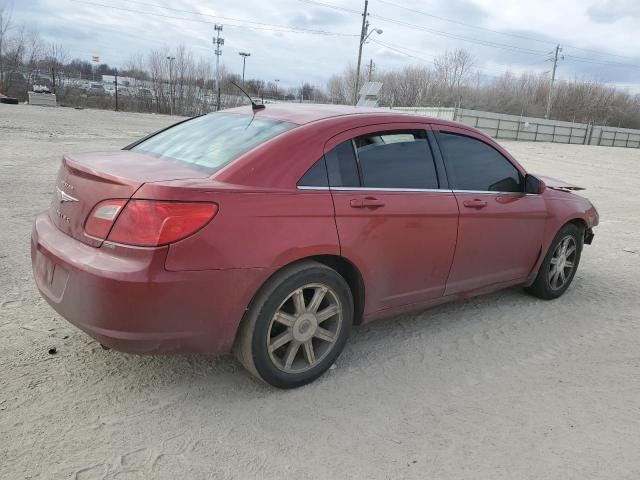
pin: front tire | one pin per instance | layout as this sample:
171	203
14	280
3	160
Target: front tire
296	326
560	264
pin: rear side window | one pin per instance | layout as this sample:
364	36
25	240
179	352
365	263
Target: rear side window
399	159
212	141
316	176
475	165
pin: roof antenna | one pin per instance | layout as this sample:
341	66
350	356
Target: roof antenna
254	106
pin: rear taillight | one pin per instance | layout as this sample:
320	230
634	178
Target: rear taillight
102	217
151	223
148	223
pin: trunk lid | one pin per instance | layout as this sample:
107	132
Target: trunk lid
86	179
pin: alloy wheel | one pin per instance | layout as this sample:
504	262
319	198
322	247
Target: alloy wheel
562	262
304	328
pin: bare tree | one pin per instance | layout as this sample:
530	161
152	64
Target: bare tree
453	69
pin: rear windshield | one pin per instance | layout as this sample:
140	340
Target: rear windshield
212	141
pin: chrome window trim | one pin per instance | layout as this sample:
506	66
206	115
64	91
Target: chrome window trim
381	189
374	189
490	192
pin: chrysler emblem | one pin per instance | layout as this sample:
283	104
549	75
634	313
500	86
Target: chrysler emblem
64	196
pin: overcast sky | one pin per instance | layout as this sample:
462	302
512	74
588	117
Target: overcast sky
601	38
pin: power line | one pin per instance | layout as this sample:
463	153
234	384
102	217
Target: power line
403	50
596	62
192	12
477	27
330	5
387	44
475	40
436	32
265	27
498	32
498	45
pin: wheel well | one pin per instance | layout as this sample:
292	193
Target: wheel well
580	223
344	267
352	276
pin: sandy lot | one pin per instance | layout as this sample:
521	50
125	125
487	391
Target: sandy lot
503	386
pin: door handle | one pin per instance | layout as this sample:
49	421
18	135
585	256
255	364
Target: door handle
367	202
476	203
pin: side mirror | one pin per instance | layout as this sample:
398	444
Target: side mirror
533	184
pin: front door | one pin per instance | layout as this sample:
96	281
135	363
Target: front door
501	227
394	220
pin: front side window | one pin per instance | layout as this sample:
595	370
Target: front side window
475	165
398	159
212	141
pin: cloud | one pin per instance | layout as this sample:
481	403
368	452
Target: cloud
463	10
610	11
316	18
115	34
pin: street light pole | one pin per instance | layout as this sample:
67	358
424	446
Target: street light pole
277	80
171	59
218	42
244	56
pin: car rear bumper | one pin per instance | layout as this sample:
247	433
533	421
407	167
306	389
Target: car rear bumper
126	299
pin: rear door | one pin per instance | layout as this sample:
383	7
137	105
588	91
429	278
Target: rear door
501	227
395	215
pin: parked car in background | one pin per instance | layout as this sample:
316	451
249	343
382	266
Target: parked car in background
124	91
96	89
270	232
5	99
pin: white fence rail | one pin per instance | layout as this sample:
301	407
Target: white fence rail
513	127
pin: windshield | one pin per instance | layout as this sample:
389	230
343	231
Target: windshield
212	141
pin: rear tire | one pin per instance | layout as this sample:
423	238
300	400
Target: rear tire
296	326
560	264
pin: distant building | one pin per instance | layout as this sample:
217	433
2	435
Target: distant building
124	81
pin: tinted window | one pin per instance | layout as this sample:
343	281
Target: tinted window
212	141
316	176
342	166
400	159
474	165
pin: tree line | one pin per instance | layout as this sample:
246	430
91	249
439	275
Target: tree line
175	80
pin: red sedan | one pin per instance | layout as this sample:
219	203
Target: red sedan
271	232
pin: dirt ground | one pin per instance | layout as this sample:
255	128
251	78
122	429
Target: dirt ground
503	386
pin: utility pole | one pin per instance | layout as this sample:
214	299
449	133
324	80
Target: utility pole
371	68
116	84
171	59
363	36
553	79
218	42
244	56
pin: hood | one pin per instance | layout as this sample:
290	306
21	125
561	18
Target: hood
555	184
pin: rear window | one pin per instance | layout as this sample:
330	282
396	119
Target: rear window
212	141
